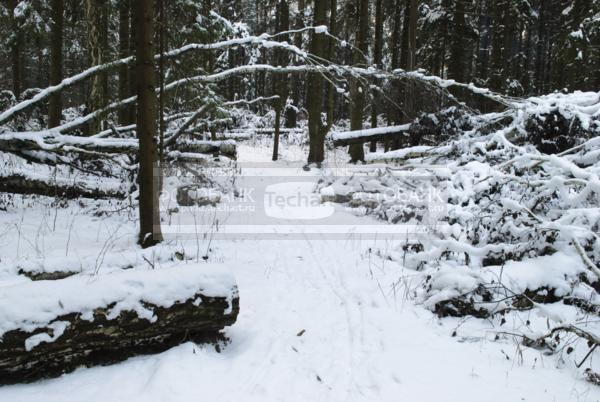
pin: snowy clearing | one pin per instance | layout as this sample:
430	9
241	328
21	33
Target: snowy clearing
321	319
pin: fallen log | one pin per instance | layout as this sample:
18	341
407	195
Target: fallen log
49	328
53	141
226	148
56	187
379	134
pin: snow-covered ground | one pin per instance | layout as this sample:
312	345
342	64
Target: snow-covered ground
321	319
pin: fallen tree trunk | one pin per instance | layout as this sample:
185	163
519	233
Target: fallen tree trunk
21	184
374	134
226	148
55	142
110	319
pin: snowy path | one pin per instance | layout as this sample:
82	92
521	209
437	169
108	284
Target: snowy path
319	321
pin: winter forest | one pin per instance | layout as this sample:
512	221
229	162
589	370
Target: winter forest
292	200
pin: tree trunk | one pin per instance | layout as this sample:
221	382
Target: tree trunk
132	50
56	61
280	81
94	20
457	67
396	35
149	170
296	86
411	60
356	151
540	58
377	60
331	89
316	131
15	50
124	51
162	47
104	48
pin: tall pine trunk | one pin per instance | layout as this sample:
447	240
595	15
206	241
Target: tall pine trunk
280	81
296	85
457	66
56	62
357	152
411	91
331	89
377	60
93	11
15	51
124	51
314	99
148	178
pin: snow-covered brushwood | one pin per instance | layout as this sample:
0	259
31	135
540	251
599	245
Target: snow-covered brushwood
51	327
501	198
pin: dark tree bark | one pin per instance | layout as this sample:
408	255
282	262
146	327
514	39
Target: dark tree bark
124	51
56	62
280	81
296	85
149	168
16	51
411	59
404	48
393	114
162	47
132	50
377	61
104	28
94	10
457	66
331	90
484	40
396	35
356	151
412	35
316	130
498	42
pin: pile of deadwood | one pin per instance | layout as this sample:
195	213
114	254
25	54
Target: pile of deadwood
518	188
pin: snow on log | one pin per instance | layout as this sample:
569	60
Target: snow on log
21	183
373	134
48	328
226	148
402	154
53	141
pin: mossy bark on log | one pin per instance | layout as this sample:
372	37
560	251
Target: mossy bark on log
102	341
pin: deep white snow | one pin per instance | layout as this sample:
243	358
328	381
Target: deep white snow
320	320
